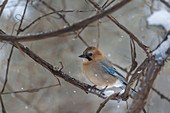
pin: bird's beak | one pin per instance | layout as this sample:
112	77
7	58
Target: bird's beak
82	56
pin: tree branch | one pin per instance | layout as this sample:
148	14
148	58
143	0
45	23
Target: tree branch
71	28
131	35
161	95
166	3
153	67
3	6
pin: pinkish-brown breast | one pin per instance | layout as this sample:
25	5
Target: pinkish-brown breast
97	75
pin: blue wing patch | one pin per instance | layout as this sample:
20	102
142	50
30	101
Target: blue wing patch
109	70
113	72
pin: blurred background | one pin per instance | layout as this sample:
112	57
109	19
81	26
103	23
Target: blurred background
114	43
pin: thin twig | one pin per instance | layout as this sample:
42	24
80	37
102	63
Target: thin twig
63	3
37	19
108	4
144	111
87	88
6	79
19	27
64	19
135	76
151	7
78	33
3	6
98	33
73	27
133	59
161	95
45	15
9	59
7	69
127	105
131	35
2	104
105	3
30	90
153	67
166	3
121	68
21	98
105	101
11	52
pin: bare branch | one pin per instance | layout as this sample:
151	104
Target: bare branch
2	105
31	90
166	3
18	31
98	34
64	19
105	101
105	3
48	14
162	96
108	4
154	66
58	73
136	75
3	6
21	98
9	59
78	33
133	58
131	35
7	69
73	27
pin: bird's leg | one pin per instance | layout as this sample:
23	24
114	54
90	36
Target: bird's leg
91	88
94	86
103	89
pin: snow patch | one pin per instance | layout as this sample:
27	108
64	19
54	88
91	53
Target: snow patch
109	92
161	17
160	52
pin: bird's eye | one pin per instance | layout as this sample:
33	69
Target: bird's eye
90	54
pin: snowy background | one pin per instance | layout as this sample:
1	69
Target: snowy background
150	27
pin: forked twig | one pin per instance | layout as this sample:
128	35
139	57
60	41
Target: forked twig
71	28
105	101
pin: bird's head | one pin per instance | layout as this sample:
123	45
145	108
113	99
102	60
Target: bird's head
91	54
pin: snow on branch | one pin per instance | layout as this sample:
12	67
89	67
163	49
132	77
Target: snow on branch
161	52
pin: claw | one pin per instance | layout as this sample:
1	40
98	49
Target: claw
103	90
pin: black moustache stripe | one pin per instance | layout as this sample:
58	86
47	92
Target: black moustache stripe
89	59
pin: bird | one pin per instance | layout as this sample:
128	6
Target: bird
99	70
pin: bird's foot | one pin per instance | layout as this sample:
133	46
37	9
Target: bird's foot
94	86
102	90
91	88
